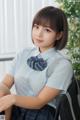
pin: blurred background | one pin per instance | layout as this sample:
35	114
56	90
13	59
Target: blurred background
15	29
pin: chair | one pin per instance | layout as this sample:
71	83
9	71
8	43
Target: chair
68	107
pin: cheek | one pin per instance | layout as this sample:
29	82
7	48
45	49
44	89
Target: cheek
53	38
32	34
50	39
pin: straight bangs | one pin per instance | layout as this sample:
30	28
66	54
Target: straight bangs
45	21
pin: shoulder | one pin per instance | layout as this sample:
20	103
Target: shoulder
26	51
60	63
63	60
22	54
64	67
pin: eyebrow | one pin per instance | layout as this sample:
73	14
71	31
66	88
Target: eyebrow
46	26
42	25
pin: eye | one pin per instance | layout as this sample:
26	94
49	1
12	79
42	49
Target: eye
36	26
47	29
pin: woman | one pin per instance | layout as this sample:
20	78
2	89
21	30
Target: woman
40	73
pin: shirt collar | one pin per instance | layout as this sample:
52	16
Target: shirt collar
46	54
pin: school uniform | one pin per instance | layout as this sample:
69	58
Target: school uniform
29	82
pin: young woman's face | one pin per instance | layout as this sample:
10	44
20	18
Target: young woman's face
43	37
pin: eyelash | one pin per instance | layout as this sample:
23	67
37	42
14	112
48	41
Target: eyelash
35	25
46	29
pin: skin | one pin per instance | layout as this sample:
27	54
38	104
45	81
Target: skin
44	38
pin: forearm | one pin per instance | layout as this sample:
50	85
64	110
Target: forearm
4	89
31	102
6	84
28	102
36	102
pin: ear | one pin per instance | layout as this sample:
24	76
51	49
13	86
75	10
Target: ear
59	35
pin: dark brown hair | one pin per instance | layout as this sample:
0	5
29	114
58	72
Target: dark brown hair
55	19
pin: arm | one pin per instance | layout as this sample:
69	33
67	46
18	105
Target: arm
46	95
6	84
31	102
8	81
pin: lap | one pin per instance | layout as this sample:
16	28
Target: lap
45	113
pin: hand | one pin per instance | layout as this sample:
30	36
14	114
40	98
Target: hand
6	102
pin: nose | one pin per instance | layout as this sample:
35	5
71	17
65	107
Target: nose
40	32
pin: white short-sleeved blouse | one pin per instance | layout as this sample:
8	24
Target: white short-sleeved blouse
29	82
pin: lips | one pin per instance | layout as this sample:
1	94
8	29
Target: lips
39	40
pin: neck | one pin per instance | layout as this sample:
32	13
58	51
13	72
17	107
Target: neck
43	49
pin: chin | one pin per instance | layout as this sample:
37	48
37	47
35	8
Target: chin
36	44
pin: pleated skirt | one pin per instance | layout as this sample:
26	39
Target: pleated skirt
45	113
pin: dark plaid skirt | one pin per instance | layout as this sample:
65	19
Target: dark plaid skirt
45	113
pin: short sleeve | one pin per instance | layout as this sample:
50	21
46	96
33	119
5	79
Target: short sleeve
13	65
61	76
17	61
